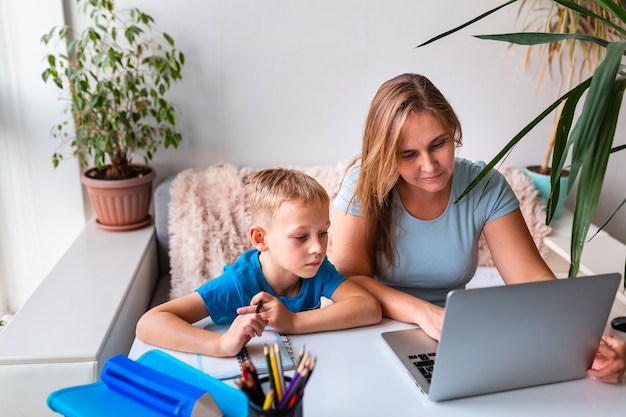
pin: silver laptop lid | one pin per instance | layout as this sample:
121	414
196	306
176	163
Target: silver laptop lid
515	336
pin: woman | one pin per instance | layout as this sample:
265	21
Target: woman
398	231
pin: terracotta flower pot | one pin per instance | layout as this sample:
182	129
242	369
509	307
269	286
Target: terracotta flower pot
121	205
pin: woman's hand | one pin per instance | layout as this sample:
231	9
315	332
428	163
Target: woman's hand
610	361
243	328
431	319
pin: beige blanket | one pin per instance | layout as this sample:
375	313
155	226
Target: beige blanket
209	219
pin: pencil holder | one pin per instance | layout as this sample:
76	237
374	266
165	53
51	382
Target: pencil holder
256	410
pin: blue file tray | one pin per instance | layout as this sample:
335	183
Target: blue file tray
156	385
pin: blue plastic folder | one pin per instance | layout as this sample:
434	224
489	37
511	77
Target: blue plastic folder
157	384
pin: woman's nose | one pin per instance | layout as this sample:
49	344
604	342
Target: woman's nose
427	162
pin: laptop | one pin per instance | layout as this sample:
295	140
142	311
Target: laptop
507	337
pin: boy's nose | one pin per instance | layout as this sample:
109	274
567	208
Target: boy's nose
316	246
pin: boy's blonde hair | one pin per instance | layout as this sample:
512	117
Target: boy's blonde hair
268	189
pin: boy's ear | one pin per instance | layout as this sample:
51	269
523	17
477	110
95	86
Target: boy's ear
257	236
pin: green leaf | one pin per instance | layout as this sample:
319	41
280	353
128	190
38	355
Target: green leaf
536	38
519	136
132	32
593	112
610	218
456	29
169	39
561	146
592	174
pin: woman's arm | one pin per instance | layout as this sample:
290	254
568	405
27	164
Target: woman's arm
513	250
169	325
350	257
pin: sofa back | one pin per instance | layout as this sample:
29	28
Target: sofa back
202	218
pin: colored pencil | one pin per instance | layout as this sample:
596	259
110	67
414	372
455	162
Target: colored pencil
279	368
269	399
277	377
270	369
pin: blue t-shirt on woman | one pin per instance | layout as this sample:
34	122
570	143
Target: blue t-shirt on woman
436	256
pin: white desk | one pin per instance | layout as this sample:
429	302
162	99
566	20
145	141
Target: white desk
356	375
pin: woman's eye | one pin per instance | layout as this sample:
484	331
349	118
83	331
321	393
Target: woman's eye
324	233
407	155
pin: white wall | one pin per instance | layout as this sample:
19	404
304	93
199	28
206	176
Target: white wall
283	82
279	82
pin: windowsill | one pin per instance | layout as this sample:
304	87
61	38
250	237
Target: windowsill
602	254
84	311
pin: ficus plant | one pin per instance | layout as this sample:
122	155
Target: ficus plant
586	126
114	74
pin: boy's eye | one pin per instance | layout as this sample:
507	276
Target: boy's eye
301	237
324	233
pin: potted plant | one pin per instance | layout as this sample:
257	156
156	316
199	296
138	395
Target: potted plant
569	61
588	138
115	75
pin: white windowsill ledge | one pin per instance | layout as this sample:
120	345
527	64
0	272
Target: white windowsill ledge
82	313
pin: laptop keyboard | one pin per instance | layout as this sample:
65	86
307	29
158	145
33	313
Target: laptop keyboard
424	363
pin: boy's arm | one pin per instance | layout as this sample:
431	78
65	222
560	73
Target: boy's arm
169	325
352	306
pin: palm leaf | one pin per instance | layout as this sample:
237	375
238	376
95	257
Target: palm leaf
474	20
575	92
610	218
536	38
592	117
593	169
562	144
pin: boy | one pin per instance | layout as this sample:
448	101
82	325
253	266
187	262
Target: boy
277	284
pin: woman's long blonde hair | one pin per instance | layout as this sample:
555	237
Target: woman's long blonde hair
388	112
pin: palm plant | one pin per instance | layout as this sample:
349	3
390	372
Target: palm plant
569	60
588	140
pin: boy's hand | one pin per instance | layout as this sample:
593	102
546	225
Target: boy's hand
272	311
242	329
